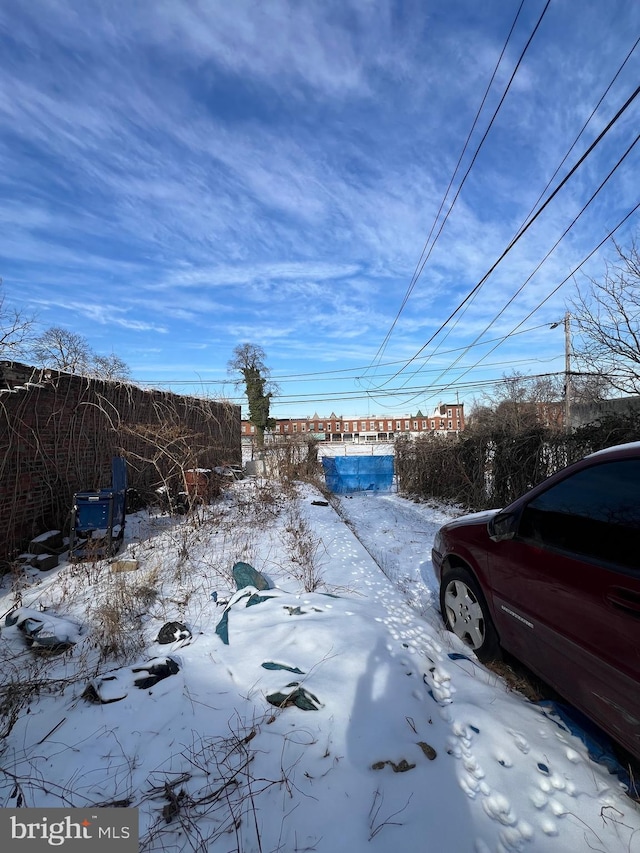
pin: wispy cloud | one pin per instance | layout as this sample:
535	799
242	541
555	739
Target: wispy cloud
213	172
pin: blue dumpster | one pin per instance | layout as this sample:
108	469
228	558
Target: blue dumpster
345	474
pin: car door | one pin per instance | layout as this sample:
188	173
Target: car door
566	590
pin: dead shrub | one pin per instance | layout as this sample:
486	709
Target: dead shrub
305	549
117	618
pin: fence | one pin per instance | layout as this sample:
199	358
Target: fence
59	432
491	469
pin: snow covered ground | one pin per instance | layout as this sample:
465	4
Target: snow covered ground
392	737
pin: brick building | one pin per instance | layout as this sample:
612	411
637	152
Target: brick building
446	420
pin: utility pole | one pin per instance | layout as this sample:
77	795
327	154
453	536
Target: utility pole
567	372
567	369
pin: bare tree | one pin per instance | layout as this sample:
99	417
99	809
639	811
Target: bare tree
16	330
63	350
517	403
607	315
249	361
110	367
589	387
67	351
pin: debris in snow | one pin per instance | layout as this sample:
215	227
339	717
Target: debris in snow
115	685
251	594
271	665
401	767
173	632
46	542
43	631
45	562
245	575
124	565
428	750
299	697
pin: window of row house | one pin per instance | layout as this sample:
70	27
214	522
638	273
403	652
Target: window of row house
448	413
397	424
295	427
450	425
415	424
363	425
389	425
406	424
424	424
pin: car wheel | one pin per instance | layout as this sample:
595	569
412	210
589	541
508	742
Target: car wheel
465	613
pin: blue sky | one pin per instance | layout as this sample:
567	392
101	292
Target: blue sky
178	178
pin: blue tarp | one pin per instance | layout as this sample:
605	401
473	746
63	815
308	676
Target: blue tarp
598	745
358	473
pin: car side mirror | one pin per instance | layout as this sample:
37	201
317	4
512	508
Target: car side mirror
502	526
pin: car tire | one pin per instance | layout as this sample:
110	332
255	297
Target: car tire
466	614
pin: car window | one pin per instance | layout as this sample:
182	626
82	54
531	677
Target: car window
594	513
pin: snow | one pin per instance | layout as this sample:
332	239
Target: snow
413	744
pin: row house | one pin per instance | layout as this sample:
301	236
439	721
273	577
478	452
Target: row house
448	419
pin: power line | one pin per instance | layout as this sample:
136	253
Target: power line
400	392
549	182
557	288
326	375
522	231
583	128
546	257
422	263
351	395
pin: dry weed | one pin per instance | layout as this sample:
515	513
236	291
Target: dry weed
117	618
305	549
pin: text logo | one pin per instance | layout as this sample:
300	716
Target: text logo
35	830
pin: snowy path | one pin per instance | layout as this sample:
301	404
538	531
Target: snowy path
411	746
511	764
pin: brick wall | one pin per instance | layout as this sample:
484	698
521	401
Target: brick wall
58	433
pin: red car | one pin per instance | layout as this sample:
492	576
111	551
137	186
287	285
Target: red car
554	579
